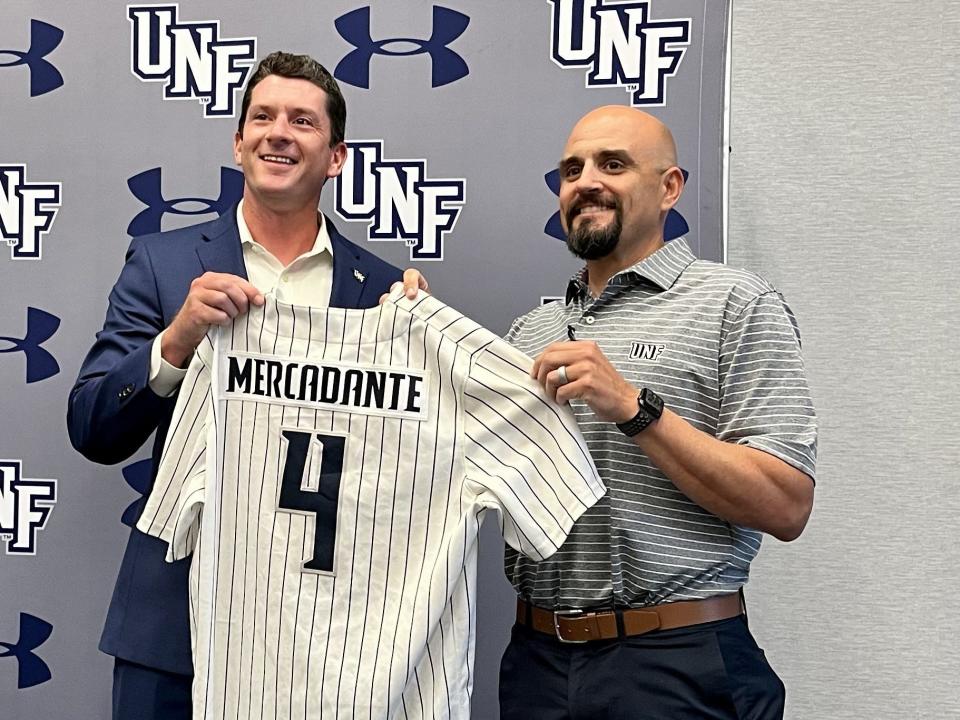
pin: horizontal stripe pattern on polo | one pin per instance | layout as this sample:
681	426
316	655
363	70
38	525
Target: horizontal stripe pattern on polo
722	348
329	470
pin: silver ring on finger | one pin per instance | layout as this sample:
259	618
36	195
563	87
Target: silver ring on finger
562	372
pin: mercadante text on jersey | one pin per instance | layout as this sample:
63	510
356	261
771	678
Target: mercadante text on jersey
354	388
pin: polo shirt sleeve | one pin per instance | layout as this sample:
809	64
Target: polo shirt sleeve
524	454
173	509
765	400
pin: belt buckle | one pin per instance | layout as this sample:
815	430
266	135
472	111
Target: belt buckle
556	625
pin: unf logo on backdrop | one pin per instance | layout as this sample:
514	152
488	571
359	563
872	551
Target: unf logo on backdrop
446	65
44	39
620	45
675	225
398	199
195	62
40	327
27	211
25	506
146	187
33	633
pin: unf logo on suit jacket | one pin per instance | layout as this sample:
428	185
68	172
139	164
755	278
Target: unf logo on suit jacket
342	461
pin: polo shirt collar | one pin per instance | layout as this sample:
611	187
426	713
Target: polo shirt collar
663	268
320	245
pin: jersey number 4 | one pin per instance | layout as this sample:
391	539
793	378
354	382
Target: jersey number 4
311	486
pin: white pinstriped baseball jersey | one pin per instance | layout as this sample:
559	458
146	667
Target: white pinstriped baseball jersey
341	461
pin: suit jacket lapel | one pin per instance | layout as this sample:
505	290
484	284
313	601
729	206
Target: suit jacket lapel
219	248
349	271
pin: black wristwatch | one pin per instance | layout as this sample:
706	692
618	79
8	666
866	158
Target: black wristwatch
650	408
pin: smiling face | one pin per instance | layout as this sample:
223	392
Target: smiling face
617	182
284	148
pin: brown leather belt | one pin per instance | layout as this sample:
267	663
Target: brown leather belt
580	626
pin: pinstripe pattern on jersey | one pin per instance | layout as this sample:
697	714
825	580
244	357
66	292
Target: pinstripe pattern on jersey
390	632
729	363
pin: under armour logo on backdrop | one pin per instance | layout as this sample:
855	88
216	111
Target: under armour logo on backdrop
146	188
31	670
447	66
137	476
675	226
619	45
40	327
44	39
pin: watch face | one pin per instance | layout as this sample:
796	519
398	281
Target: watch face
653	400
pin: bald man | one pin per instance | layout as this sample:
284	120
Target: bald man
687	382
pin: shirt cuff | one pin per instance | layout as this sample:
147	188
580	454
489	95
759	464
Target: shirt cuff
165	378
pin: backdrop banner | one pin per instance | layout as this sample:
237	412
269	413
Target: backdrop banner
118	120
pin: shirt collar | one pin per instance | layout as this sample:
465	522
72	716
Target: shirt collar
662	268
320	244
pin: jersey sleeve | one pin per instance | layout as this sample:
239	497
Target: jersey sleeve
525	452
173	508
765	400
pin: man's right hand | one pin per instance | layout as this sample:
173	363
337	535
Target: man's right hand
214	299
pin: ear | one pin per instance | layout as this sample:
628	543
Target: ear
237	140
338	159
671	188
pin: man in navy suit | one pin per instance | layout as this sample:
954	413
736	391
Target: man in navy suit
173	287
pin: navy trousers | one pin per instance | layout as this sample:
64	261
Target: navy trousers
143	693
709	671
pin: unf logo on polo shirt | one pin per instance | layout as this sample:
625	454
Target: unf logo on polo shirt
194	61
446	65
27	211
41	326
44	76
33	632
146	187
25	505
645	351
398	199
620	45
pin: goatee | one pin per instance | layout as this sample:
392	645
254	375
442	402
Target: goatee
590	243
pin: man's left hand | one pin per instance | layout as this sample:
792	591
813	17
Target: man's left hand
590	377
413	282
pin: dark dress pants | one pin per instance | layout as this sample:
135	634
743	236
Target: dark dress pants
703	672
143	693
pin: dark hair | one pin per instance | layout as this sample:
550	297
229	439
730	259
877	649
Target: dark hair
304	67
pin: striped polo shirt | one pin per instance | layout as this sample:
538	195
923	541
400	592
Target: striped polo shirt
722	349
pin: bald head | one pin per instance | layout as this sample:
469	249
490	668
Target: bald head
649	137
618	181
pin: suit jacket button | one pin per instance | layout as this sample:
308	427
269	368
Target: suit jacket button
126	391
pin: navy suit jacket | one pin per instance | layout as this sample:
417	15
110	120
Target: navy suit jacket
112	410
